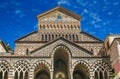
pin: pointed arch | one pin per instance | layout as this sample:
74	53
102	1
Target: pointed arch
87	66
21	67
102	68
61	46
81	69
61	55
41	69
4	69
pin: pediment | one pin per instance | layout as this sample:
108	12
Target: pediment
88	37
58	14
28	37
46	50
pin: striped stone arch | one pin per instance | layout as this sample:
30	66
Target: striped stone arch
66	49
100	63
21	69
23	63
4	65
82	62
39	62
101	69
61	46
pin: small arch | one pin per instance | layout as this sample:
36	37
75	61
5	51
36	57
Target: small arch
66	36
96	75
92	50
81	62
73	37
101	67
61	46
101	75
69	36
20	67
41	69
61	26
43	26
81	70
45	37
36	64
4	69
49	37
27	51
106	75
52	37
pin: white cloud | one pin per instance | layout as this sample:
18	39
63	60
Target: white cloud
95	17
97	26
66	2
85	11
109	13
17	12
93	22
116	3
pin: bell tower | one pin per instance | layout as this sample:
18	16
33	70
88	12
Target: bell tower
59	22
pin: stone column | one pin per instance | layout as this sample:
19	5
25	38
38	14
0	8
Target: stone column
31	74
11	74
51	74
91	75
71	74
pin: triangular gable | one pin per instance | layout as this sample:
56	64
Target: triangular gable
77	51
3	47
88	37
63	10
27	36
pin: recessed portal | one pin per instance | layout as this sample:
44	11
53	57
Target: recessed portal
61	67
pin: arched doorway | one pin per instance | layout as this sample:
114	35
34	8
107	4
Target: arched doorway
61	64
42	72
80	72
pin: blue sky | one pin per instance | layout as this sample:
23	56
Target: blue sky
18	17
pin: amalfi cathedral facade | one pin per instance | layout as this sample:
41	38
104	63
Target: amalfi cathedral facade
59	49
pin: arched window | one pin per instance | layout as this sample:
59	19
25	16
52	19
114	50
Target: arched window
45	37
21	70
57	26
43	26
27	51
101	70
69	37
71	27
73	37
66	36
52	37
4	68
105	74
101	75
92	50
76	37
56	36
96	75
49	37
61	26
